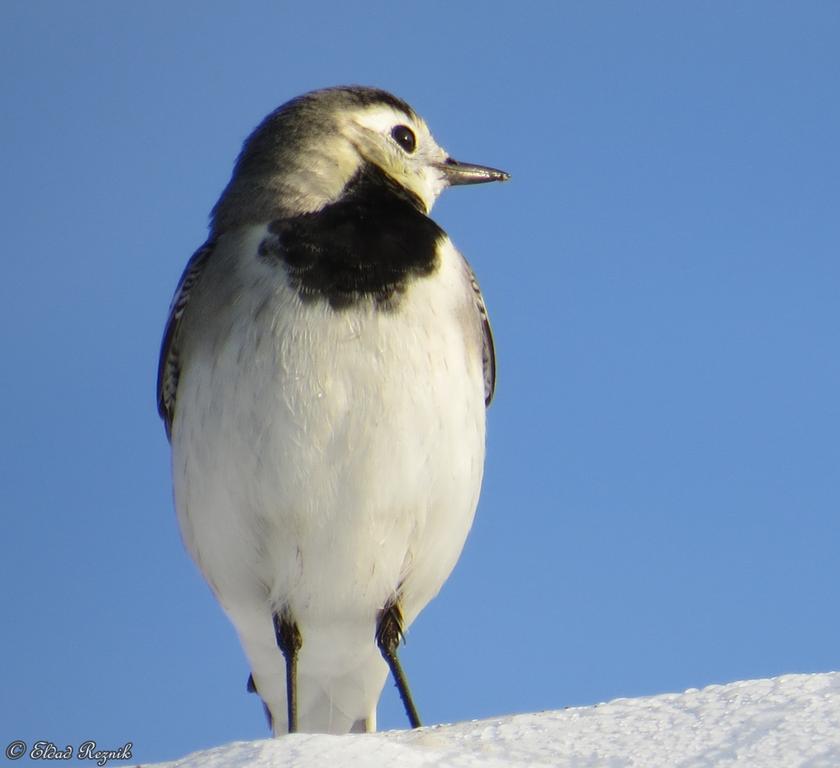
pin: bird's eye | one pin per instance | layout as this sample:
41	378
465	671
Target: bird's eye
404	136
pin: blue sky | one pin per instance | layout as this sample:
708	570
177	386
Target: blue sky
660	508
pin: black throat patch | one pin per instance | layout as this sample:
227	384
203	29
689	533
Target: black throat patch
368	244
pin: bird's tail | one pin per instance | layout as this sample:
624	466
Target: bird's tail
338	683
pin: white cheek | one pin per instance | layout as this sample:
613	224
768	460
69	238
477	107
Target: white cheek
428	181
433	185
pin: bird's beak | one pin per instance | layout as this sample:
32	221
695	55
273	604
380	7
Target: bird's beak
455	173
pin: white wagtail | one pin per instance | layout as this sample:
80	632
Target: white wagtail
323	380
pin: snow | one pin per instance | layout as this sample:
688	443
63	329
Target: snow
785	721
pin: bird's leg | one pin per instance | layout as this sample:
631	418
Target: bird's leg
289	642
388	635
251	687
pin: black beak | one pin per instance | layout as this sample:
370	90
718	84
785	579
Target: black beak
457	173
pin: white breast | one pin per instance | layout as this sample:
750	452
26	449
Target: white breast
324	460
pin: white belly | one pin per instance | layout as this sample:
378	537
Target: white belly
325	461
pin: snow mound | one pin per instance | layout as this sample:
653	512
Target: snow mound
786	721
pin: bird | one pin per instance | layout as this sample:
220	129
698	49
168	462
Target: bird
324	374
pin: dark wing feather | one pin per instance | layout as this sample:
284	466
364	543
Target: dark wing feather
488	349
168	368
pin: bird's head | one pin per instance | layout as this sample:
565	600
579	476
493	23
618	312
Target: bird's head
304	154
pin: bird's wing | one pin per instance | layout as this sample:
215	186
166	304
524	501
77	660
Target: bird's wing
488	349
169	368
